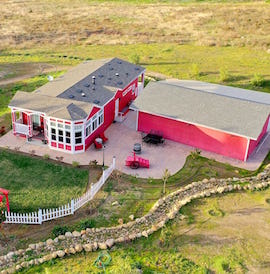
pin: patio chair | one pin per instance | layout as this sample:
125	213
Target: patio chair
103	137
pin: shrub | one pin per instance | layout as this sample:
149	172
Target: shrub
88	223
194	71
224	75
257	80
75	164
59	230
46	156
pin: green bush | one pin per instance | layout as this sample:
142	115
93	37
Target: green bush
224	75
75	164
88	223
59	230
194	71
257	80
135	59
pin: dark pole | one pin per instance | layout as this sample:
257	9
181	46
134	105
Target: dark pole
103	148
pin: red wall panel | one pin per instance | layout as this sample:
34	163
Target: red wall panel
253	144
108	119
196	136
124	100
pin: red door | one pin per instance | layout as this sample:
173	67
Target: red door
41	122
25	118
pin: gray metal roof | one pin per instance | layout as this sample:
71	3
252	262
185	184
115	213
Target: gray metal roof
228	114
113	75
238	93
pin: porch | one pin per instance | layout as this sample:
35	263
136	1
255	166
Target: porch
30	125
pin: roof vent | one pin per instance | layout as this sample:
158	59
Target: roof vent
96	101
78	90
137	68
71	96
83	95
119	62
111	68
87	85
119	83
100	75
126	73
93	87
109	78
116	74
93	80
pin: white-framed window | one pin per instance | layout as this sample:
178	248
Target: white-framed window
94	122
78	137
36	119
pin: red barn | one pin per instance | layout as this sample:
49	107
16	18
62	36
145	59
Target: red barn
69	112
224	120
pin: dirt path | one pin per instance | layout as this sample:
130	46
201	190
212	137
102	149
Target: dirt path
28	70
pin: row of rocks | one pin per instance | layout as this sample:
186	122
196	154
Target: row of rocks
163	210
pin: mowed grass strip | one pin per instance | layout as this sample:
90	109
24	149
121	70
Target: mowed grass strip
36	183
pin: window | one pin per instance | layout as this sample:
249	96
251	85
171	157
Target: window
36	119
67	137
53	134
60	125
95	122
78	137
53	124
60	136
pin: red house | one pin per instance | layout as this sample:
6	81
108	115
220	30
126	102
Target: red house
224	120
69	112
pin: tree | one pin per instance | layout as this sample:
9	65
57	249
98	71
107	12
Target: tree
165	177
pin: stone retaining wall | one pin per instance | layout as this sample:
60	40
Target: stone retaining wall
105	237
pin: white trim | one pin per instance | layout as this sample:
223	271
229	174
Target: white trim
137	119
195	124
246	154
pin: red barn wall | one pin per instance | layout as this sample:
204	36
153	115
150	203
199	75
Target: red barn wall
126	99
196	136
253	143
108	119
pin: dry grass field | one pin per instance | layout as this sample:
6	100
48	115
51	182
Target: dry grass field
83	22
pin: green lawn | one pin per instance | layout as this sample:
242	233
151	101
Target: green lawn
37	183
234	66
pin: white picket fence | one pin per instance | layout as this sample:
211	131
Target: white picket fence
43	215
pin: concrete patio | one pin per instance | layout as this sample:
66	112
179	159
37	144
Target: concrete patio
122	136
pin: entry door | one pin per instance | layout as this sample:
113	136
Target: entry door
116	108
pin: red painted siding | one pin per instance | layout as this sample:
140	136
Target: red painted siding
93	112
253	144
108	119
109	110
53	144
79	147
61	146
68	147
25	118
125	99
196	136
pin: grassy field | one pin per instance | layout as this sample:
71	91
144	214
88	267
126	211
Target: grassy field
25	24
221	234
36	183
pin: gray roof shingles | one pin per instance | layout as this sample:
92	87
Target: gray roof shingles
225	113
113	75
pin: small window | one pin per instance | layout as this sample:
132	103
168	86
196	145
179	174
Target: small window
67	126
67	134
78	134
78	141
60	125
53	131
53	137
78	127
78	137
68	140
94	125
53	124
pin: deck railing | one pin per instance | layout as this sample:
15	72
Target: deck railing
43	215
21	128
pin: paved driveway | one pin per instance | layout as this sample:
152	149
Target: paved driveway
122	136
